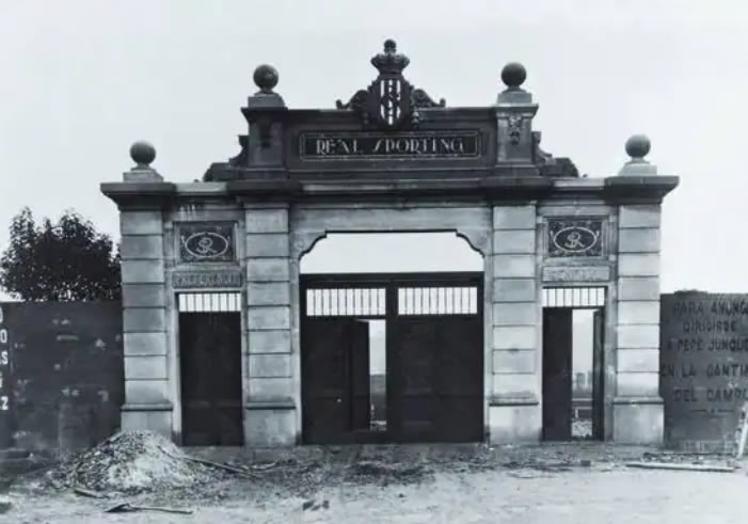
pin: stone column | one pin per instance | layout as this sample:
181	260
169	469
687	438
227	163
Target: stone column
147	398
638	408
514	409
270	418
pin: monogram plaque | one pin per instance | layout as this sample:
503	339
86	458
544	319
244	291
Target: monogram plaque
575	237
206	242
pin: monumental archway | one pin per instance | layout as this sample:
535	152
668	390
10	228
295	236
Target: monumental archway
212	268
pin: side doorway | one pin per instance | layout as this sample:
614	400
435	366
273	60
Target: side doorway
573	363
210	348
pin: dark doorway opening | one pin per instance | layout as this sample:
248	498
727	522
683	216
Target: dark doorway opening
573	372
210	368
392	357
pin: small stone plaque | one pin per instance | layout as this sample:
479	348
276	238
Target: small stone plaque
206	242
207	279
575	237
576	274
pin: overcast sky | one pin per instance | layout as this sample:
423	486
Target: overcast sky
81	80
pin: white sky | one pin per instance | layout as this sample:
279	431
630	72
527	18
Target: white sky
81	80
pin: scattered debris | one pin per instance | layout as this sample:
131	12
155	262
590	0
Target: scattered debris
87	493
210	463
386	472
5	504
264	467
742	432
681	467
130	462
126	507
312	505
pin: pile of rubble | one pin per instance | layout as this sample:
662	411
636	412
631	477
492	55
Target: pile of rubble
130	462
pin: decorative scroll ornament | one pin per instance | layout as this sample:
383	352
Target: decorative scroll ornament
390	102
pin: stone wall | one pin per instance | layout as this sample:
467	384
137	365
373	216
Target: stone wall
66	386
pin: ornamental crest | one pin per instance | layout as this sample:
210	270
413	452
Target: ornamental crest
390	102
206	242
569	238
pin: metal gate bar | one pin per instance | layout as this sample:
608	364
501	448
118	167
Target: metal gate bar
209	302
578	297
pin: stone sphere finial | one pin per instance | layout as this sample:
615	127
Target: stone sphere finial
266	78
390	45
637	146
143	153
513	75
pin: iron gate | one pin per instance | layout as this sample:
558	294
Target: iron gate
434	356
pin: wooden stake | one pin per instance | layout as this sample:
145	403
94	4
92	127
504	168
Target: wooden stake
681	467
743	431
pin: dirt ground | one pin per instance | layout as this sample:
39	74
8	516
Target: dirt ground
413	484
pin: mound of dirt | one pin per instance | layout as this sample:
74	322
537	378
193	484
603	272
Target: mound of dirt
131	462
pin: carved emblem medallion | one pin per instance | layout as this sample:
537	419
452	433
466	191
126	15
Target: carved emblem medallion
575	237
206	242
390	102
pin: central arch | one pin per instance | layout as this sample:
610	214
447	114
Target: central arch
391	338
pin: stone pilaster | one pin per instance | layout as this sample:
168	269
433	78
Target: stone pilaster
514	411
638	409
270	418
147	394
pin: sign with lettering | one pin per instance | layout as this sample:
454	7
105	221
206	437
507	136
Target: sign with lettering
206	242
576	274
410	145
207	279
575	237
703	367
5	380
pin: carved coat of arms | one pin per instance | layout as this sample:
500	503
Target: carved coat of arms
390	102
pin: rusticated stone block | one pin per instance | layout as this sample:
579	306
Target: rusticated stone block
270	366
273	220
508	361
520	241
268	270
145	367
269	317
142	247
514	217
514	290
515	313
515	337
275	341
515	423
513	266
141	223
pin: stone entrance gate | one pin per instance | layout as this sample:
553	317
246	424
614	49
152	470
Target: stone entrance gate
392	159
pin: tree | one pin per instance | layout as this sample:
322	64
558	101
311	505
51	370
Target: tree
65	261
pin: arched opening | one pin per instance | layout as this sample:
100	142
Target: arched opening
391	253
392	338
